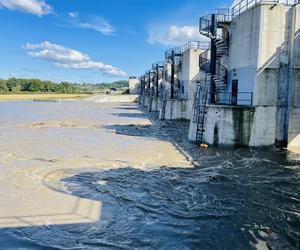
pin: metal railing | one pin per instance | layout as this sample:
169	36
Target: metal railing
204	61
194	45
226	15
176	51
240	99
179	50
246	4
160	64
221	16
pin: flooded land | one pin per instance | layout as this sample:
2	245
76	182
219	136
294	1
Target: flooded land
84	175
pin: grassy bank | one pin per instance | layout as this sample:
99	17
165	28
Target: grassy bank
8	97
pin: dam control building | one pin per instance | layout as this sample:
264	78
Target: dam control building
242	88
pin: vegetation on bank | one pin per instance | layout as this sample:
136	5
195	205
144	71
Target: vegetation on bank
45	96
23	86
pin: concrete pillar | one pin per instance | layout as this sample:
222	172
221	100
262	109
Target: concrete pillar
174	109
271	82
134	85
294	115
189	74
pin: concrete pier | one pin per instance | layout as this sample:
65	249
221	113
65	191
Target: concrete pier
294	115
225	125
275	120
174	109
154	104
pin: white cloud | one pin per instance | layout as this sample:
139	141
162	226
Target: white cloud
105	28
74	14
98	24
174	35
64	57
36	7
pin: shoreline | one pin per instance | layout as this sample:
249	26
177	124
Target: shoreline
52	96
295	150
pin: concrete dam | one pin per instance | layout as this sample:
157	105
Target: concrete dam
242	86
94	165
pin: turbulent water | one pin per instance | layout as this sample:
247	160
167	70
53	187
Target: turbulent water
230	199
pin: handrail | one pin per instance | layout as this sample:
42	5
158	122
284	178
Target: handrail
244	5
179	50
221	71
205	22
226	15
160	65
204	61
241	99
205	64
176	51
194	45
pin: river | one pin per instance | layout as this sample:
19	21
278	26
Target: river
84	175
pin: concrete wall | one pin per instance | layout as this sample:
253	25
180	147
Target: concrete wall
225	125
258	59
115	98
244	33
174	109
134	83
294	116
154	104
189	70
264	56
189	76
144	101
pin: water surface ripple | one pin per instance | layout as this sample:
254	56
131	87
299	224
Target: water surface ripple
242	200
231	199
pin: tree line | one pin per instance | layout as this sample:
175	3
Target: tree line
19	85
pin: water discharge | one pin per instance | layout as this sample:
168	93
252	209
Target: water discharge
80	175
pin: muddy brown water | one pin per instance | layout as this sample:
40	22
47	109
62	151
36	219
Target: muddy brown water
81	175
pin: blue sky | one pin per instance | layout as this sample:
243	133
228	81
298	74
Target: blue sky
93	40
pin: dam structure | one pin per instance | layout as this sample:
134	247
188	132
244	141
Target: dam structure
242	87
168	87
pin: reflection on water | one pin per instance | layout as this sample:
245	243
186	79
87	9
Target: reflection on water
232	199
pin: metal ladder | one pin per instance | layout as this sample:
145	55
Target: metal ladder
200	108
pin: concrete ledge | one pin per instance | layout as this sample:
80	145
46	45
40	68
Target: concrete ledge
230	107
225	125
174	109
114	98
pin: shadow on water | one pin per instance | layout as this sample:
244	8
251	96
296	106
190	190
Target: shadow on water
126	107
131	115
231	199
207	207
240	203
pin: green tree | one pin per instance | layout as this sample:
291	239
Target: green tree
3	87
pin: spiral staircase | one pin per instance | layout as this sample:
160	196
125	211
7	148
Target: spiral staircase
173	57
214	26
221	73
158	69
